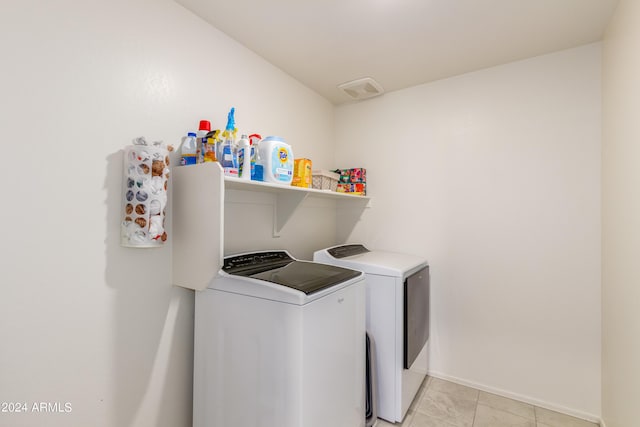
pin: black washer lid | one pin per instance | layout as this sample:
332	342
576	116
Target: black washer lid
279	268
347	250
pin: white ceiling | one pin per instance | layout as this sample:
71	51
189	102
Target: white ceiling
401	43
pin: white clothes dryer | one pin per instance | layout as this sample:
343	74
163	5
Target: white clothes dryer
397	293
280	342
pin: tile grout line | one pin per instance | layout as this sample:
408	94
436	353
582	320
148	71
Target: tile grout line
421	392
475	413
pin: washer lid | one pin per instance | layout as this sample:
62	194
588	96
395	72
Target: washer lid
280	268
371	262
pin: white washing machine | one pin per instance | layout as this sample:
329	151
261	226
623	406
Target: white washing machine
397	292
280	342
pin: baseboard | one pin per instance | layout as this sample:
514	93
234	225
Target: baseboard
522	398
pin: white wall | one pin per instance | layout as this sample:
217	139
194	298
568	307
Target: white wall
494	177
621	218
84	320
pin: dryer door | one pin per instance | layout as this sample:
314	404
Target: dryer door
416	315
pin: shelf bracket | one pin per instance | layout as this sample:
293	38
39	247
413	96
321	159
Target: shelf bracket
284	208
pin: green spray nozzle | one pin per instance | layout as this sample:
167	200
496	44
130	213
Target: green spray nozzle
231	121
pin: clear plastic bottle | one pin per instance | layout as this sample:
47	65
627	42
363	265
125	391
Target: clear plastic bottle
254	139
210	152
189	150
228	152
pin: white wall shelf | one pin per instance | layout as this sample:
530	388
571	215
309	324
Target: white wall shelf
198	198
242	184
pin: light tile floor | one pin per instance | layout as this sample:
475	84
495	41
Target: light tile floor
441	403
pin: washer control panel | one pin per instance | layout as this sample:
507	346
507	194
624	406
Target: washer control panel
267	260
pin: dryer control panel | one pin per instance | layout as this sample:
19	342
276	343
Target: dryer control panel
347	250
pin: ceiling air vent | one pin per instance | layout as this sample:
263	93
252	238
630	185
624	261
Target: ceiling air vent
362	88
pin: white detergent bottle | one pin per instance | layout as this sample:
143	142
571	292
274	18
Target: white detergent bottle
244	156
277	160
189	150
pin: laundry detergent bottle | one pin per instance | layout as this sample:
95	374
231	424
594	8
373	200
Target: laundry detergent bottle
277	160
244	157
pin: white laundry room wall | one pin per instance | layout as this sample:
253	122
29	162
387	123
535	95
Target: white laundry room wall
84	320
621	218
494	177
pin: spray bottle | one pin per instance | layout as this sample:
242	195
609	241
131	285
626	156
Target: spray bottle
254	139
228	156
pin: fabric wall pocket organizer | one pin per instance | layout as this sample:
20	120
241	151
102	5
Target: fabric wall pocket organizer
144	194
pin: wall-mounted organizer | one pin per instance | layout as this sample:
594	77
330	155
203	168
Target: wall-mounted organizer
144	194
197	250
